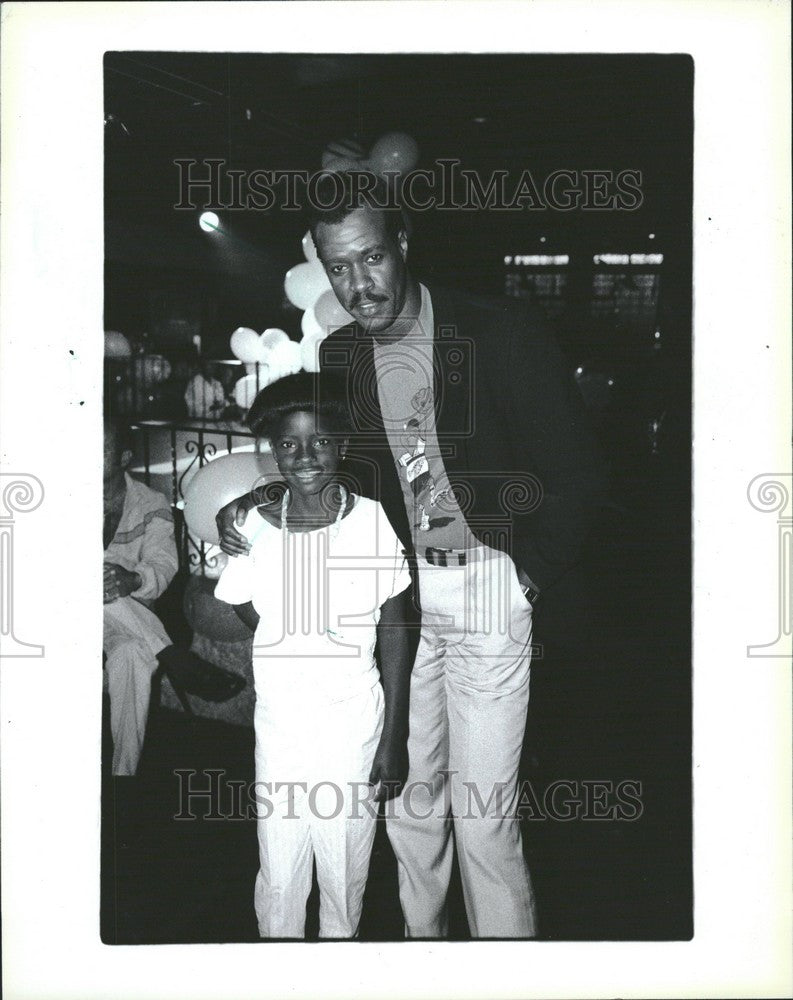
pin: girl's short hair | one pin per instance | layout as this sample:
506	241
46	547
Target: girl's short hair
322	395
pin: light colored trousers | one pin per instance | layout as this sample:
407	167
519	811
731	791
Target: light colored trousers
133	636
313	760
469	698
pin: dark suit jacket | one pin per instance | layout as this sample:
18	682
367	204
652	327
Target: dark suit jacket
512	428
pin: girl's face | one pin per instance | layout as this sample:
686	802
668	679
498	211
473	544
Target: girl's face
307	452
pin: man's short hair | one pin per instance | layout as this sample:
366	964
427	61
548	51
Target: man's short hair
304	392
336	195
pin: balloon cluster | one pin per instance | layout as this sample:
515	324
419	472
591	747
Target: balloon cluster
267	357
307	287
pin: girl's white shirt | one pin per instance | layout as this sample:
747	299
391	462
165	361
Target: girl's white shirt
318	595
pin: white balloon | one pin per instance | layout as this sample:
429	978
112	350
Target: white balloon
285	359
394	152
245	344
292	355
218	483
261	372
271	336
310	325
304	283
309	353
245	391
309	250
116	345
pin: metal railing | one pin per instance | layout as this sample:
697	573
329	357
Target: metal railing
167	454
183	411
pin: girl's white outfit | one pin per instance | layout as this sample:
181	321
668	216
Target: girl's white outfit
319	707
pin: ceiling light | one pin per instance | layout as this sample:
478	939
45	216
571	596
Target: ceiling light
209	222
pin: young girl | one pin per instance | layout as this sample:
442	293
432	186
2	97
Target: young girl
324	581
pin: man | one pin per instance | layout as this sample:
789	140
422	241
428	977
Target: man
474	440
140	562
205	396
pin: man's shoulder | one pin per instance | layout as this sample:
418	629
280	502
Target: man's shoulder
344	349
344	334
473	312
147	498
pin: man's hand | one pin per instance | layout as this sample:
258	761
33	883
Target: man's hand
389	768
228	519
119	582
525	584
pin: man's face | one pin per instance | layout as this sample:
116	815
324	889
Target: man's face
366	267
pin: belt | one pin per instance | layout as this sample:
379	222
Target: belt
453	557
459	557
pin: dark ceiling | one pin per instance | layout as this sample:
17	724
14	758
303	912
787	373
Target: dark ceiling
298	102
278	111
507	111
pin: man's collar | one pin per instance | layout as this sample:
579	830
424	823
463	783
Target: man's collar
442	307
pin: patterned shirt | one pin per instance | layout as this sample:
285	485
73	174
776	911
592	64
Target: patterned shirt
144	540
407	400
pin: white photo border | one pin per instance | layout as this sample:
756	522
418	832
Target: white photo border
51	294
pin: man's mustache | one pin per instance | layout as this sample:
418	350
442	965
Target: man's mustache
356	300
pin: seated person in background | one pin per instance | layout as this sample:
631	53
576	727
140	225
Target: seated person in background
205	396
140	562
325	720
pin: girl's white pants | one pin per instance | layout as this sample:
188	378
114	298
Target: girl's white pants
313	760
